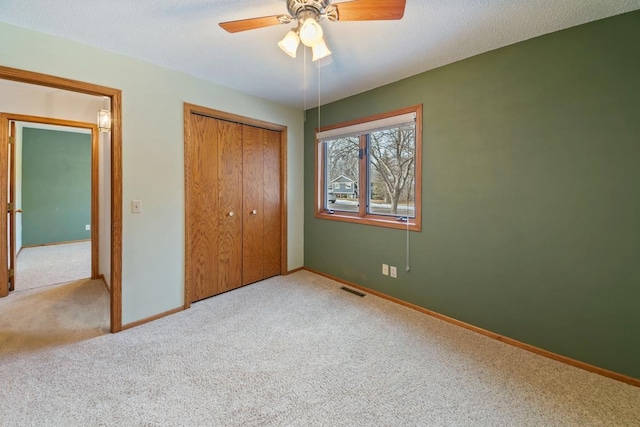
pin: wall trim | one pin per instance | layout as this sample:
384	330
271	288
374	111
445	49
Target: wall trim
104	282
152	318
295	270
533	349
55	243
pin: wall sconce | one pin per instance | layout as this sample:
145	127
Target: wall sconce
104	120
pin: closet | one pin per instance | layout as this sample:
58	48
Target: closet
233	205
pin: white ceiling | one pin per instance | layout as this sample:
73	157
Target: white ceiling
184	35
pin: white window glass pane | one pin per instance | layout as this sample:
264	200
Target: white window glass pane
391	158
342	167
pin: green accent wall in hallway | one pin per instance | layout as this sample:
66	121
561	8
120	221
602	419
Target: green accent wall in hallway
531	200
56	186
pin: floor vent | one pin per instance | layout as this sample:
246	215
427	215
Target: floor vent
360	294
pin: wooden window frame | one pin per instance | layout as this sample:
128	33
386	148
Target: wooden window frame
362	217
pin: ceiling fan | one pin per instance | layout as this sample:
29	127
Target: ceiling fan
308	13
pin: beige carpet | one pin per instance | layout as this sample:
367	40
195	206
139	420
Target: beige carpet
36	319
298	351
52	264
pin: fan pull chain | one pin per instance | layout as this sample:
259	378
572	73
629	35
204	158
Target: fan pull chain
304	83
408	268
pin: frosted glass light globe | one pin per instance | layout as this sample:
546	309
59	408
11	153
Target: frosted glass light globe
310	32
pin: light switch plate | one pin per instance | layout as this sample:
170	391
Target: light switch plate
136	206
394	272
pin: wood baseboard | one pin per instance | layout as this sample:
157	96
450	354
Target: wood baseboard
295	270
104	281
533	349
55	243
152	318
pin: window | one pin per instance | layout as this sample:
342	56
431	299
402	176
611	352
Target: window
380	155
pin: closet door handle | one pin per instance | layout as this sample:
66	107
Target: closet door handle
254	212
231	213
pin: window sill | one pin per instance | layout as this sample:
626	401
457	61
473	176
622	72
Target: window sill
374	220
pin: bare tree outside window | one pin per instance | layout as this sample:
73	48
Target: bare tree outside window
391	161
342	155
392	158
369	170
343	168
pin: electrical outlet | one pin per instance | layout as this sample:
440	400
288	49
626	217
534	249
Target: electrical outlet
385	269
87	227
394	272
136	206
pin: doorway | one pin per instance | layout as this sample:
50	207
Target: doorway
53	201
115	184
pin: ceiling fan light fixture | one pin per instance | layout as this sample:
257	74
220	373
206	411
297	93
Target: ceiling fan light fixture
289	44
320	50
310	32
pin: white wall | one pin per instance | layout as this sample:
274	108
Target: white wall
152	124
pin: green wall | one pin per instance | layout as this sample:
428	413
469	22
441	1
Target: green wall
56	186
531	199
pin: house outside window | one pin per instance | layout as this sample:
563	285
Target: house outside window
380	154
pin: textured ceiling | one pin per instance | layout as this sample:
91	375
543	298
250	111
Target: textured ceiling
184	35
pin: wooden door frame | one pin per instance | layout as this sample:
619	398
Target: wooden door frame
95	137
11	177
217	114
115	96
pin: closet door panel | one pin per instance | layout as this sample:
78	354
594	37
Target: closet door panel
201	207
252	189
230	206
272	199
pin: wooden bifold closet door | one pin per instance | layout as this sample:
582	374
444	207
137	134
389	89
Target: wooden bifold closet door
233	205
261	192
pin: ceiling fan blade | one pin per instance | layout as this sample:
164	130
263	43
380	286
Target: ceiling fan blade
371	10
250	24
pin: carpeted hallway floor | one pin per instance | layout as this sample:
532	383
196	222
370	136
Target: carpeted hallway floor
52	316
52	264
54	303
298	351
